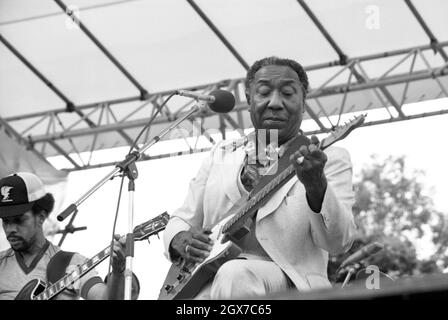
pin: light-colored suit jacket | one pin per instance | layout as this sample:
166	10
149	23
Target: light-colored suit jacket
296	238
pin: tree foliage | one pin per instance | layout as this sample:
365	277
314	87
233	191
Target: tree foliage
392	208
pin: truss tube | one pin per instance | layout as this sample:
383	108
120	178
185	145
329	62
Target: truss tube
106	128
421	75
33	69
49	84
343	57
64	154
195	150
316	119
437	80
28	145
323	92
425	27
199	87
397	52
143	158
318	24
376	56
391	120
383	89
81	107
218	34
143	91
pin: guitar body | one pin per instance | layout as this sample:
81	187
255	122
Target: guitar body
31	290
185	282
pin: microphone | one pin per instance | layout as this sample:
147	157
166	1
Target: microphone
363	253
220	101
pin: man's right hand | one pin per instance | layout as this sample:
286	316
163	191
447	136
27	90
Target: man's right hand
193	245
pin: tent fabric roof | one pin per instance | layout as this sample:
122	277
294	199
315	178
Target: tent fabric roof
360	55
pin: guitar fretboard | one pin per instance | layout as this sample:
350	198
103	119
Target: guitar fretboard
75	275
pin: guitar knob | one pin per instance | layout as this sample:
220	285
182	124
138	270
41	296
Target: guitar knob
180	277
169	288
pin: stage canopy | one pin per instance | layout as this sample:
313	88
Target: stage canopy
78	76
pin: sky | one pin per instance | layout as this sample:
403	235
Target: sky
162	185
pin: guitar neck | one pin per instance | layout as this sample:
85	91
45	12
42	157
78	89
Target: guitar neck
57	287
141	232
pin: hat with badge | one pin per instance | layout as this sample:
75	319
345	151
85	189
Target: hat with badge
18	192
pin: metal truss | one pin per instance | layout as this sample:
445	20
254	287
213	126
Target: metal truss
58	132
347	77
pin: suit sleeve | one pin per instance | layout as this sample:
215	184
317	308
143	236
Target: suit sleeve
191	213
333	228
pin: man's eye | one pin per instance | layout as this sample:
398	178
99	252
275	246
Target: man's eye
288	91
263	90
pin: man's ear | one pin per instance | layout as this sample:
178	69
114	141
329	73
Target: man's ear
41	216
247	96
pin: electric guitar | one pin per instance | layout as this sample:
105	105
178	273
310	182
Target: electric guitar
37	289
184	281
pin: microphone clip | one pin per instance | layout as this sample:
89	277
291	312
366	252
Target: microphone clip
202	108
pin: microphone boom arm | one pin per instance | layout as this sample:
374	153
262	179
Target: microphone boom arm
130	159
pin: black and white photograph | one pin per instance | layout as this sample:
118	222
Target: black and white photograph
223	150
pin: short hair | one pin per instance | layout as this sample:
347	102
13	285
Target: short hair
46	204
276	61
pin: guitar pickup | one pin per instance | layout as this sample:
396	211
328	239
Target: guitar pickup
169	288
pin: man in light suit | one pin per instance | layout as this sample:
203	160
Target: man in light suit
305	220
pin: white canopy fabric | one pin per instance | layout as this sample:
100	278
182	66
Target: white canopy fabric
360	55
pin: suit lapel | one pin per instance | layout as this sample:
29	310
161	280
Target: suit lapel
276	199
230	170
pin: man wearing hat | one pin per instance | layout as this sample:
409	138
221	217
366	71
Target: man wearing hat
24	206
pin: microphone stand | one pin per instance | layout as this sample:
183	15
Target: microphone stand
69	228
132	173
128	167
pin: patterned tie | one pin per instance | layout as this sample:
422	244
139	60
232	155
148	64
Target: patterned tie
255	166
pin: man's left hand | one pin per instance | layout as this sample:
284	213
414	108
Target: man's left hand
309	162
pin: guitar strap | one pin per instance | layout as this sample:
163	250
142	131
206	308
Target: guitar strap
58	264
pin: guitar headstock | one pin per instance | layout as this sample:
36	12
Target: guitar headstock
151	227
343	131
